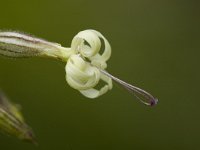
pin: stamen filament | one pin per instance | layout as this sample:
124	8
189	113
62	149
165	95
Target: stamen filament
148	99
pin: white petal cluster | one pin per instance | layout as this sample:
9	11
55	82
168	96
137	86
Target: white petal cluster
83	67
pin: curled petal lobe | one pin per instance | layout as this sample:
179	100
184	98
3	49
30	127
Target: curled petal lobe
88	44
93	93
84	77
80	75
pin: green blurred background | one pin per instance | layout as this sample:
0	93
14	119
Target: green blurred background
155	46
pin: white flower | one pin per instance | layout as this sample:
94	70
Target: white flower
83	58
82	69
85	66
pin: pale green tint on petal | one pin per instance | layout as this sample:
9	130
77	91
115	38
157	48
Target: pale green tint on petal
88	44
86	50
80	75
82	69
94	93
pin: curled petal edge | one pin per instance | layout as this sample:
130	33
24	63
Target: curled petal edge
88	44
82	76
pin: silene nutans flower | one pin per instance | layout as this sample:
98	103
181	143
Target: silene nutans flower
85	66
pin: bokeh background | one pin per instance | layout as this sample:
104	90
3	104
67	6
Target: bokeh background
155	46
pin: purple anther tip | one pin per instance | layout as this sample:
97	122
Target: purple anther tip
154	102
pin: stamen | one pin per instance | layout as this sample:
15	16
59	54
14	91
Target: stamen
144	97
